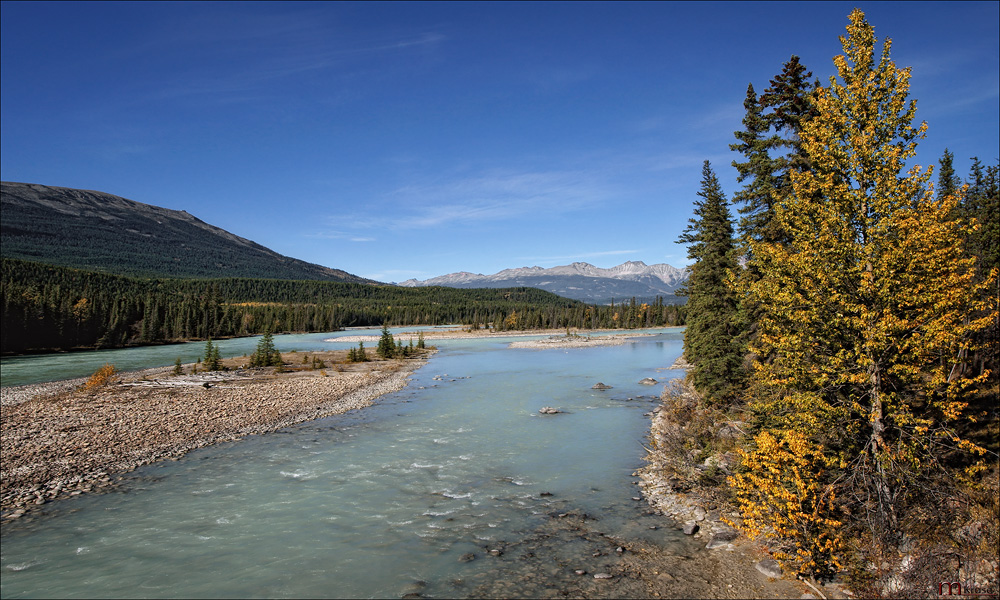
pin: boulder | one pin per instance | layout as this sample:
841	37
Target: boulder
601	386
722	539
548	410
648	381
770	568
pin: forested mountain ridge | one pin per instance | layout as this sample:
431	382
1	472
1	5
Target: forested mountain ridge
46	307
107	233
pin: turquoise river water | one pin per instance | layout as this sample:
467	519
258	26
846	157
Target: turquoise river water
406	497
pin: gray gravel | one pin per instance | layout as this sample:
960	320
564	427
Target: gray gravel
58	440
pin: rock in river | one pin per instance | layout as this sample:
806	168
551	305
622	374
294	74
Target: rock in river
600	386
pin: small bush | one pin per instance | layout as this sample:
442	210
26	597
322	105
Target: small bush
101	377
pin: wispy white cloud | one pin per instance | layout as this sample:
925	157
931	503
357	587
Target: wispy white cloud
496	196
549	79
960	99
248	53
340	235
579	256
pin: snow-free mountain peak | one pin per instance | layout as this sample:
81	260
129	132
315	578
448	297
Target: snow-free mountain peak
578	280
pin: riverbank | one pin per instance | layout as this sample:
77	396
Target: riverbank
61	440
684	481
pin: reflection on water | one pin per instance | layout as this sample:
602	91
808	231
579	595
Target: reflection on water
455	486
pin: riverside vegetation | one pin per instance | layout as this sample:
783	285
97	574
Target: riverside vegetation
842	340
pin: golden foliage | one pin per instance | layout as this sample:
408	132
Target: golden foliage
101	377
868	310
781	494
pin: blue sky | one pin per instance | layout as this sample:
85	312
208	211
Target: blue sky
418	139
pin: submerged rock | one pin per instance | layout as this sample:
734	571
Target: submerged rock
548	410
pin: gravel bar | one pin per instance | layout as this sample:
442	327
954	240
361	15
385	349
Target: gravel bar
59	440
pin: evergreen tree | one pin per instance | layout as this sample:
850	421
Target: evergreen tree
789	97
948	183
758	171
981	202
866	307
711	340
212	359
386	345
266	355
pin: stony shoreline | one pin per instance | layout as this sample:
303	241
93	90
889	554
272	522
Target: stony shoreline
60	441
729	558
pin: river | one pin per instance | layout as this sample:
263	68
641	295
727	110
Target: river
455	486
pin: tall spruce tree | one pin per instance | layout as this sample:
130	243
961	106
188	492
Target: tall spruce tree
758	172
711	340
789	98
948	184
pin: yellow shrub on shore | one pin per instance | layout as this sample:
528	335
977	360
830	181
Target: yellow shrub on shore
780	494
101	377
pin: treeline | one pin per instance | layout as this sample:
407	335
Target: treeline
47	307
849	321
630	314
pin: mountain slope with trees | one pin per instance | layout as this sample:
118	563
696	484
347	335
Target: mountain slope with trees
106	233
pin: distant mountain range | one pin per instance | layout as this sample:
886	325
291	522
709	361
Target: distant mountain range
101	232
579	281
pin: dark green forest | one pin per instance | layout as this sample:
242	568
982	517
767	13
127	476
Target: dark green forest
47	307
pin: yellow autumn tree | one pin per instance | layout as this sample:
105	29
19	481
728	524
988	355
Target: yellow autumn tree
867	309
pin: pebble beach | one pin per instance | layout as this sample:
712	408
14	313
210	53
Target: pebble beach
60	440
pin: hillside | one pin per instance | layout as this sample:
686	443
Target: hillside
579	281
102	232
